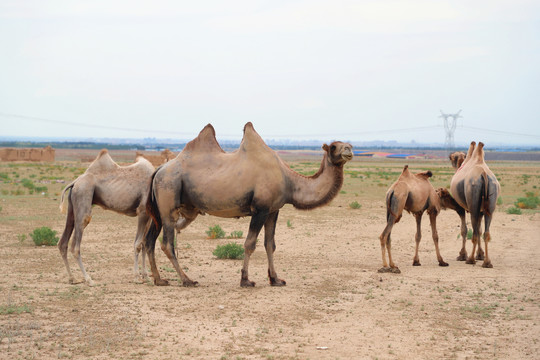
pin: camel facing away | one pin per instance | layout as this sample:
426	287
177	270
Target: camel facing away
251	181
119	188
475	188
414	193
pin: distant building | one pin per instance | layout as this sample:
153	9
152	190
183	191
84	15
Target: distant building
27	154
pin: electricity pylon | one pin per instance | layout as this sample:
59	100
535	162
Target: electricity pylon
450	122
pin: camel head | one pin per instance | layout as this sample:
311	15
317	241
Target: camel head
445	197
456	159
338	152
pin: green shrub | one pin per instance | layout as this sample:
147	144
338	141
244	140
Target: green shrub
229	251
44	236
355	205
513	210
236	235
499	201
531	201
29	184
215	232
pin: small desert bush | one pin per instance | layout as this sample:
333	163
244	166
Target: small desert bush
355	205
44	236
236	235
531	201
229	251
215	232
513	210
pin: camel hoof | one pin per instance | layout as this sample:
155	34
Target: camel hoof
480	256
90	282
247	283
470	261
190	283
161	282
487	265
462	257
442	263
416	263
277	282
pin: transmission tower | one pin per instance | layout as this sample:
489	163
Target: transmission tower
450	122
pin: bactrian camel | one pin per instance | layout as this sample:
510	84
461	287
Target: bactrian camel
251	181
448	202
414	193
475	188
119	188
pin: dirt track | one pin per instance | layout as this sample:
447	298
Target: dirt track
335	304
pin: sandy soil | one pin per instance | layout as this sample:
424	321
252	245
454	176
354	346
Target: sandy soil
335	305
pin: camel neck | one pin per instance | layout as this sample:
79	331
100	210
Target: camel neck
310	192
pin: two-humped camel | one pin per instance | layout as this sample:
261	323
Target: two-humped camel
414	193
448	202
251	181
119	188
475	188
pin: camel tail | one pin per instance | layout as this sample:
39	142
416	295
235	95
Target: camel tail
389	201
70	186
151	205
485	195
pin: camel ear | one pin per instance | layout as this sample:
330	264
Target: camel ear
325	147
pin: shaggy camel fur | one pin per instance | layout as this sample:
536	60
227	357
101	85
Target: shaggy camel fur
414	193
119	188
251	181
475	188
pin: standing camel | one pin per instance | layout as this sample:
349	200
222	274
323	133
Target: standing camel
414	193
251	181
119	188
475	188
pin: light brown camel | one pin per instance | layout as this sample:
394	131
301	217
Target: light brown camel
447	202
251	181
456	159
119	188
475	188
414	193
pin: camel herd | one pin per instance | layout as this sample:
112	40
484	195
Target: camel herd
254	181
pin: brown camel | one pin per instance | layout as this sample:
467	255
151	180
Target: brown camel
475	188
119	188
251	181
414	193
447	202
456	159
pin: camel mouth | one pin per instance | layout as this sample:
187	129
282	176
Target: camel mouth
347	157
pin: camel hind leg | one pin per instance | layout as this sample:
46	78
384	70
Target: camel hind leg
66	235
417	238
255	226
143	224
435	235
487	238
270	246
83	214
168	248
386	244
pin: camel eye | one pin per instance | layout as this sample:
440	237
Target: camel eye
333	148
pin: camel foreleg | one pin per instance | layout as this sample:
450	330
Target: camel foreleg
270	246
463	253
143	224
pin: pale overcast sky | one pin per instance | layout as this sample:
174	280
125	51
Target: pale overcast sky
347	70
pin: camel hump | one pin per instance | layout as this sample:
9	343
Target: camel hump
103	162
251	140
405	172
205	141
479	152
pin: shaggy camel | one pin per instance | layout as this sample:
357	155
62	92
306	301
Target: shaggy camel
475	188
251	181
119	188
414	193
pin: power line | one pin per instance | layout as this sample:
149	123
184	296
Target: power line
499	132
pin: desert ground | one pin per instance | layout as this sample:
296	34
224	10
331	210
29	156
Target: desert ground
335	305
